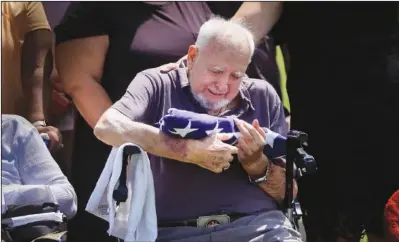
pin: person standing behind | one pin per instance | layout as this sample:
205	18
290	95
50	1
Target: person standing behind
343	84
27	64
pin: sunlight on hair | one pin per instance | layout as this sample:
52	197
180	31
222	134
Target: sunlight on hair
228	31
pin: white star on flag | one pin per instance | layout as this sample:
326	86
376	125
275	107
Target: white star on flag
215	130
185	131
161	124
270	137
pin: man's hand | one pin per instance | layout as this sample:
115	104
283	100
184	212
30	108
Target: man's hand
168	67
250	148
211	153
172	66
54	135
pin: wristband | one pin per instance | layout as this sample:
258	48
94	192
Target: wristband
261	179
39	123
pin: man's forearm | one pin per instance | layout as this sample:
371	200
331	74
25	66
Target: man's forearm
274	186
260	17
90	99
34	96
37	92
115	129
36	68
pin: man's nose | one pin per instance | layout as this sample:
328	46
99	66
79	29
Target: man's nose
222	83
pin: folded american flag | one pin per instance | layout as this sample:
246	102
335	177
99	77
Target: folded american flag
190	125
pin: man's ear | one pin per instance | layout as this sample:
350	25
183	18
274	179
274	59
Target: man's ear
191	55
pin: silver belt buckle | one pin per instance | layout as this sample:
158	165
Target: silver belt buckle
212	220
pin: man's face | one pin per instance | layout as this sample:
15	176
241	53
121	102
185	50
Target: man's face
216	72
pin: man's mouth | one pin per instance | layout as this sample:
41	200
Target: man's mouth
217	93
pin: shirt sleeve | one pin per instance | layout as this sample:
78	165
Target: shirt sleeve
35	17
84	19
139	101
42	178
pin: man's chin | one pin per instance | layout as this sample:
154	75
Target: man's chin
212	106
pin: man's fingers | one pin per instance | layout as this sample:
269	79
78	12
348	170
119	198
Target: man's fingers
224	136
231	149
55	140
54	135
244	147
255	123
243	130
168	67
258	128
254	133
262	133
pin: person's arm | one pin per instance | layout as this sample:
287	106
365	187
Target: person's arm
41	177
260	17
80	66
254	162
126	121
82	45
275	183
255	165
36	62
115	129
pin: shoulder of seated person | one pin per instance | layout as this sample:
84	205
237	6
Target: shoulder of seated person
15	121
156	74
259	86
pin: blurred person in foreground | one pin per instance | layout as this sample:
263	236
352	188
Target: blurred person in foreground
29	174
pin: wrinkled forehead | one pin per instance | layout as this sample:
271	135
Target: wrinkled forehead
226	60
226	55
226	47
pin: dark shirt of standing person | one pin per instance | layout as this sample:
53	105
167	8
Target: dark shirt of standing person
343	89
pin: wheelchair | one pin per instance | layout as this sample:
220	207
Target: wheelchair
38	229
298	163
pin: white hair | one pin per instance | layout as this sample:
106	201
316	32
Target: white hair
233	32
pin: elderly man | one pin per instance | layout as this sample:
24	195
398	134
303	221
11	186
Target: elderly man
200	194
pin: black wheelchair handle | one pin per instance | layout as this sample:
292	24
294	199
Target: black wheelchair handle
120	194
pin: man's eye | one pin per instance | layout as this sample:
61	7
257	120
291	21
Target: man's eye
216	71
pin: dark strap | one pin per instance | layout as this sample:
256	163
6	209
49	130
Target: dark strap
22	210
31	231
193	222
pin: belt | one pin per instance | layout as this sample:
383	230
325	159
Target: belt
203	221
